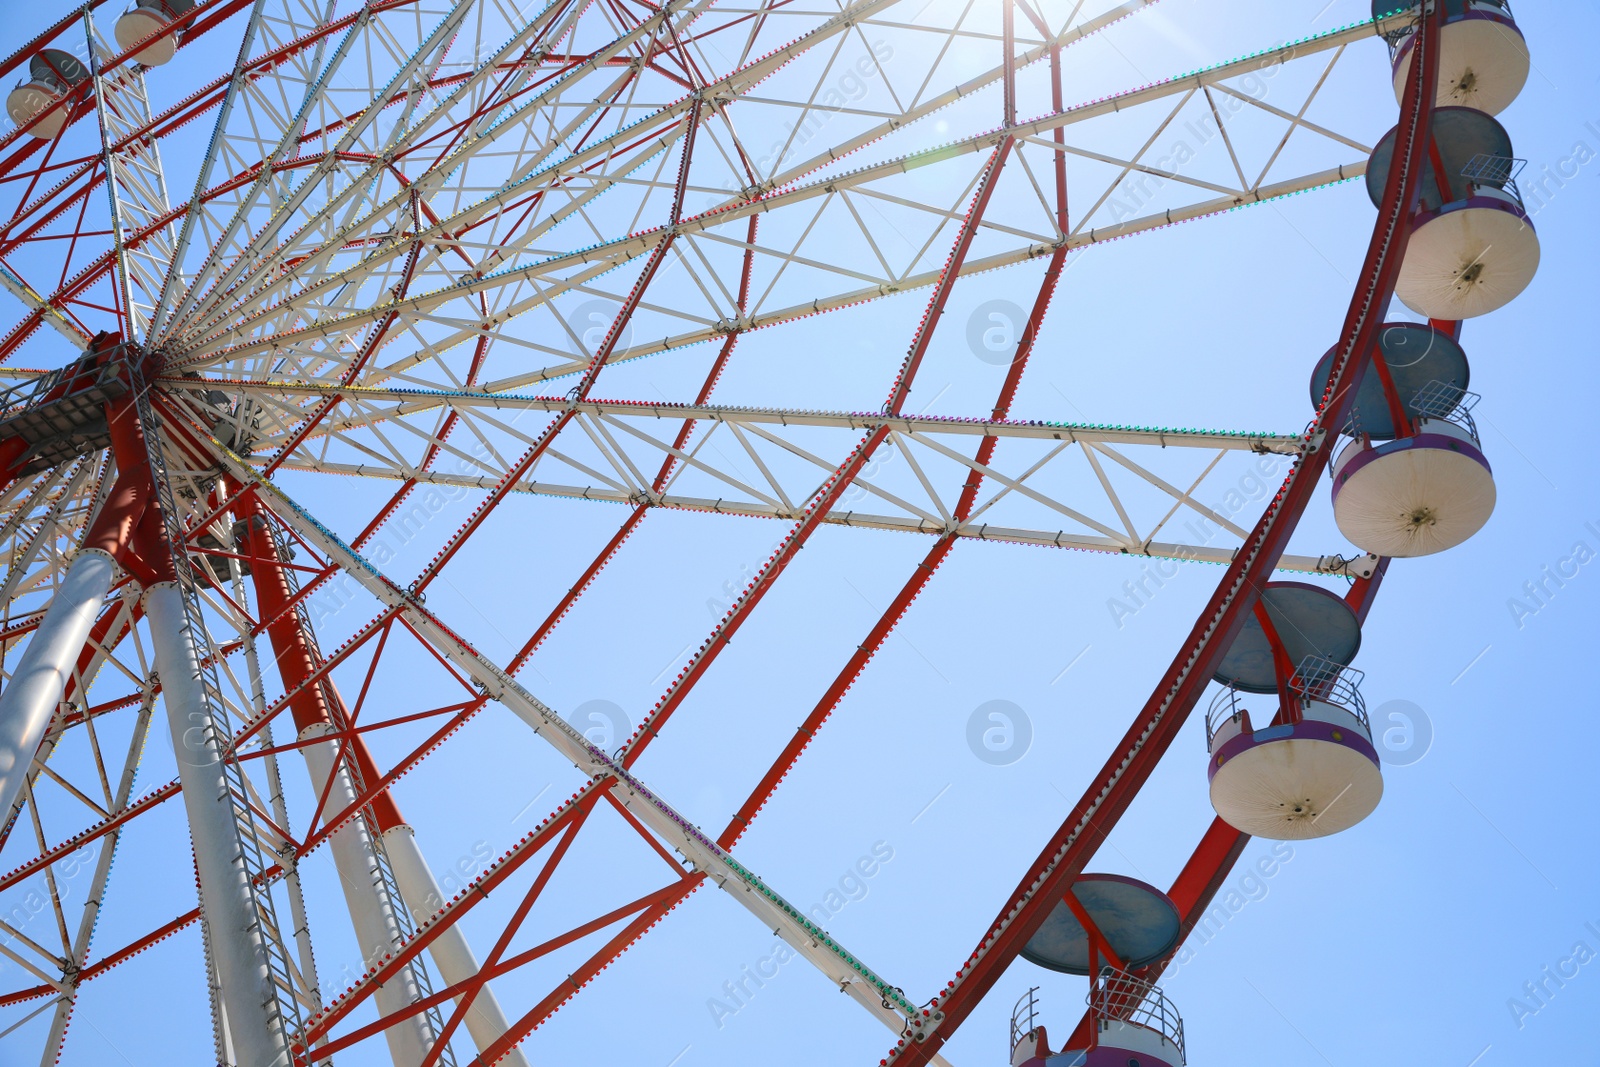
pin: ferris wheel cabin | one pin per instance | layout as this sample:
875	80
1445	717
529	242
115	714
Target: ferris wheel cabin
149	17
1107	928
52	74
1473	248
1132	1022
1483	59
1413	480
1309	770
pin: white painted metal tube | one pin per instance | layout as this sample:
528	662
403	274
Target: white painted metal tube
485	1021
225	897
30	700
371	911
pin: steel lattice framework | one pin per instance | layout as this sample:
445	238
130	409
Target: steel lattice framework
410	242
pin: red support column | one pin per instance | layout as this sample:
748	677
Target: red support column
311	697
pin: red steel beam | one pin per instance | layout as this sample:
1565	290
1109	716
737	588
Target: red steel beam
1219	849
831	489
214	16
487	974
122	955
591	572
1214	857
1202	876
1221	846
1110	793
626	938
63	196
313	702
518	916
379	331
947	280
576	809
588	970
93	833
673	894
509	481
936	555
378	783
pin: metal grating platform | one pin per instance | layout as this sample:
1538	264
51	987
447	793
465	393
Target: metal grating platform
62	414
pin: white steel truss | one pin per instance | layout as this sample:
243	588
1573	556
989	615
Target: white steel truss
135	184
770	463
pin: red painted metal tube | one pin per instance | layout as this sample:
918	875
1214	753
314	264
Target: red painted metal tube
831	490
529	847
908	593
587	971
298	665
668	464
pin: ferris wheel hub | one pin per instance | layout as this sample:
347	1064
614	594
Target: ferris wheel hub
61	415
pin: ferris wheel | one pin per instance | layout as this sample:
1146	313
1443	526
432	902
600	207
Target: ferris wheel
426	246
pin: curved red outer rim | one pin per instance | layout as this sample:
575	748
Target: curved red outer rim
1091	819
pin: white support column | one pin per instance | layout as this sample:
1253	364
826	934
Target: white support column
226	900
451	953
219	1014
29	702
371	909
